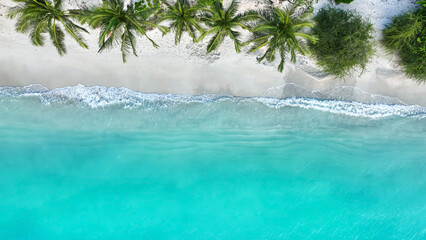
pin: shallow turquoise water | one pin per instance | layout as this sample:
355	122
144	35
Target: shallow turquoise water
111	165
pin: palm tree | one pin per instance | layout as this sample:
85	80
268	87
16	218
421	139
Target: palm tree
38	17
280	31
120	25
223	23
183	18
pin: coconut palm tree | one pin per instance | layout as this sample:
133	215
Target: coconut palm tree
120	25
182	17
39	17
224	22
281	31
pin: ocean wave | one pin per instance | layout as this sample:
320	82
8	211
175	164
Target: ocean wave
355	109
341	93
101	97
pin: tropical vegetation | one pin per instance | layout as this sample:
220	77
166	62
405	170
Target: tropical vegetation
119	25
225	23
41	17
345	41
343	1
144	4
207	2
341	41
406	35
281	32
183	18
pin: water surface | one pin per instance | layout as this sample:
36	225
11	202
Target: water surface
98	163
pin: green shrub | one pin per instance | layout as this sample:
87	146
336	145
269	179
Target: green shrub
407	36
345	41
343	1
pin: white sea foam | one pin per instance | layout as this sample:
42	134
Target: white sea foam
355	109
101	97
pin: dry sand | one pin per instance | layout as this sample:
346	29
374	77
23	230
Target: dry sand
186	69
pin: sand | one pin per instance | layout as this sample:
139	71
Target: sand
186	69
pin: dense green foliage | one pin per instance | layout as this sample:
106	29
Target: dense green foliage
280	32
145	4
119	25
207	2
182	17
343	1
39	17
345	41
407	35
340	41
224	23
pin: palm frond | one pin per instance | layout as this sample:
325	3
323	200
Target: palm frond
73	30
224	23
280	31
58	37
119	25
215	42
36	34
125	46
183	18
38	17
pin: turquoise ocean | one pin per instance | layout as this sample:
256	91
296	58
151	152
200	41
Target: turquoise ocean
109	163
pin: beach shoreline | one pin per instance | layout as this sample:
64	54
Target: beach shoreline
186	69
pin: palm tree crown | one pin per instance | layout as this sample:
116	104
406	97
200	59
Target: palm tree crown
38	17
119	25
182	17
280	31
223	22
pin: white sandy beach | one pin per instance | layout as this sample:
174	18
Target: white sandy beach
186	69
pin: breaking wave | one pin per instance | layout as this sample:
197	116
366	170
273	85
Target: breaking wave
101	97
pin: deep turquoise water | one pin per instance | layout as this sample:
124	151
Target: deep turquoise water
99	163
